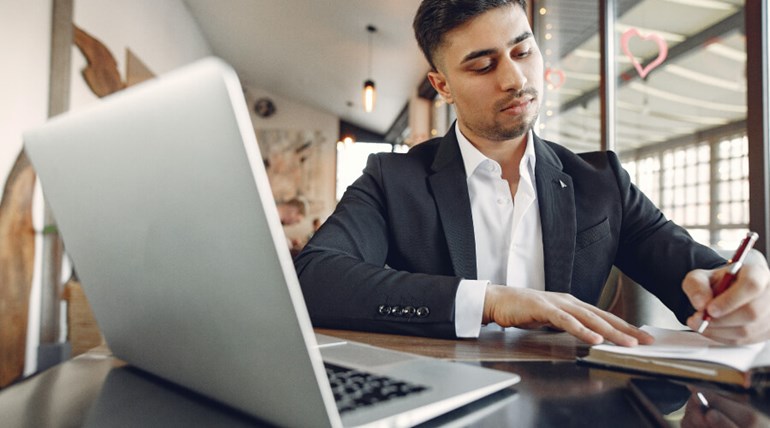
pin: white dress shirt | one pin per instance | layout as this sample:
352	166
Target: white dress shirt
509	237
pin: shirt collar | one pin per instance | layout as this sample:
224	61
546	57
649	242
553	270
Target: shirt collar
472	157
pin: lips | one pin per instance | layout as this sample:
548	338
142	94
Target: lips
518	101
517	106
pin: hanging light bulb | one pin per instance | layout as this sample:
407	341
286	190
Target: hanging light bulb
370	93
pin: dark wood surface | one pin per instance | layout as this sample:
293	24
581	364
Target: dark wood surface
513	345
96	389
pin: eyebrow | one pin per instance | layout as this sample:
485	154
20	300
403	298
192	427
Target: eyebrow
484	52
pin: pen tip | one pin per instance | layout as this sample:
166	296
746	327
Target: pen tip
703	325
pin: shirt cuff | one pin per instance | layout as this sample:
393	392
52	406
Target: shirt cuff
469	307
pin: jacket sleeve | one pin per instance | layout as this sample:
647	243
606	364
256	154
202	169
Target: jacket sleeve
654	251
344	275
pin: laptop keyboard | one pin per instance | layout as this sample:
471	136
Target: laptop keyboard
353	388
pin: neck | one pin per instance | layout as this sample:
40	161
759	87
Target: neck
507	153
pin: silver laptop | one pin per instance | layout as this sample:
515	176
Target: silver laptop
165	209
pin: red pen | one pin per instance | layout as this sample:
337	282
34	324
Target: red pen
732	272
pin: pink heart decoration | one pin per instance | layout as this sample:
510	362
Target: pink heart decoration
555	77
662	50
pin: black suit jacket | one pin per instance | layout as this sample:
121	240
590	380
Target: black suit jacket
391	256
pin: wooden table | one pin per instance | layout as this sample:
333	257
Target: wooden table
512	345
96	389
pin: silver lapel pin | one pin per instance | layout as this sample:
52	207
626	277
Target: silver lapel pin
561	183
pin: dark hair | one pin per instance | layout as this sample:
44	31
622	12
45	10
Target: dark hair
435	18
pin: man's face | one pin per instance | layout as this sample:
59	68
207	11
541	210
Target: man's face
492	70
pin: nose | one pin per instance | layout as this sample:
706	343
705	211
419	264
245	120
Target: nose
511	76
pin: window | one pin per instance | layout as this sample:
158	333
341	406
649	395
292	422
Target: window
567	33
679	108
684	181
351	160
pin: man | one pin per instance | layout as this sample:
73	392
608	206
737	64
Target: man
492	224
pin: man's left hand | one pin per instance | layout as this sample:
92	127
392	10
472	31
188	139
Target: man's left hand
741	314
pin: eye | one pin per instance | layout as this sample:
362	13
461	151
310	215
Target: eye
483	67
523	53
522	50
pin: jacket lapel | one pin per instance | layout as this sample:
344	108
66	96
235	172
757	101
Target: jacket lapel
557	216
450	190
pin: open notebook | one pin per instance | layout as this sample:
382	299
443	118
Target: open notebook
165	208
684	353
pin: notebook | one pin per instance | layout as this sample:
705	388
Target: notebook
686	354
165	209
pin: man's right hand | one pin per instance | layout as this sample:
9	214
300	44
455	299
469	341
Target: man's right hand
525	308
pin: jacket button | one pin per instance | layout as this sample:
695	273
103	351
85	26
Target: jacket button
384	310
396	311
422	311
408	311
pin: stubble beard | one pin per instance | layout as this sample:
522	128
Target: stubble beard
503	131
500	133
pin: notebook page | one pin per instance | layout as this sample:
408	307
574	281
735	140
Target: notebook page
688	345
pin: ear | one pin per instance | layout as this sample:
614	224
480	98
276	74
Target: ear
441	85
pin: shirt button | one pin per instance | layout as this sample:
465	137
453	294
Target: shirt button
502	201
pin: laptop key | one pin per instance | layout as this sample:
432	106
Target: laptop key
353	388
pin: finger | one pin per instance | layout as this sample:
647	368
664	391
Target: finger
755	311
604	323
640	335
532	307
562	319
697	286
600	323
732	329
739	335
613	324
750	284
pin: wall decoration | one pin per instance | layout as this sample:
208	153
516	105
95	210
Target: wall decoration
17	234
17	256
101	74
659	41
292	160
136	70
